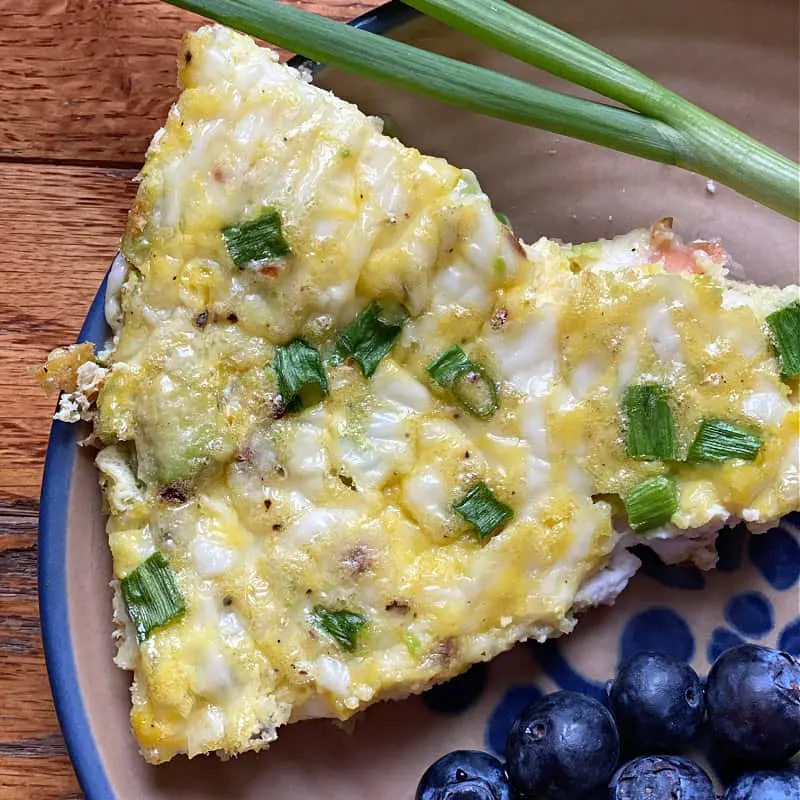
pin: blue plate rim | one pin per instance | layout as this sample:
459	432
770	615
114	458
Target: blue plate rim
52	541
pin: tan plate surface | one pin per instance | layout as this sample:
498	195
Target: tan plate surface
739	59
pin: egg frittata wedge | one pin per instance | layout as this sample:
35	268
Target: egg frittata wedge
354	436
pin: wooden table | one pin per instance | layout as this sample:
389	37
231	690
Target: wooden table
83	86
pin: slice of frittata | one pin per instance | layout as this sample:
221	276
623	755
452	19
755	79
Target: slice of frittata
355	437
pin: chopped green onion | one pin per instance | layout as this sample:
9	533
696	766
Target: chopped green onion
476	392
470	384
650	433
505	219
483	510
151	595
257	240
368	338
300	373
785	327
448	366
710	146
662	127
343	627
718	440
651	503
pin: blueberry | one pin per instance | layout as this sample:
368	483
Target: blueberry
464	775
766	785
661	778
753	701
562	747
657	702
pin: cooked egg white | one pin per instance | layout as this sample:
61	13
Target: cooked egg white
264	516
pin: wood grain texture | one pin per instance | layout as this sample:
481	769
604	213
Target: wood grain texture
91	80
84	85
33	759
64	223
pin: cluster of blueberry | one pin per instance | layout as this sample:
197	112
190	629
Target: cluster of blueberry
567	746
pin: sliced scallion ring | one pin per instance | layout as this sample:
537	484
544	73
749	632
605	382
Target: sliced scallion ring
344	627
650	433
483	511
475	391
651	503
718	440
448	365
468	382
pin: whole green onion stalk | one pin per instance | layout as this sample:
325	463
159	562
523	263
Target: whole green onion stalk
660	125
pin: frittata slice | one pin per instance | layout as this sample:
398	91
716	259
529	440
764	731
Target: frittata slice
355	436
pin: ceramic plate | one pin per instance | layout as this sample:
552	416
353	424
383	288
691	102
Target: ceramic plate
739	59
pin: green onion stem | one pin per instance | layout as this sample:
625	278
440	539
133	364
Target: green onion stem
448	366
704	143
676	132
442	78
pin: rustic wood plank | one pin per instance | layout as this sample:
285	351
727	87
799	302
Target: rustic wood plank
48	778
91	80
33	757
64	223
